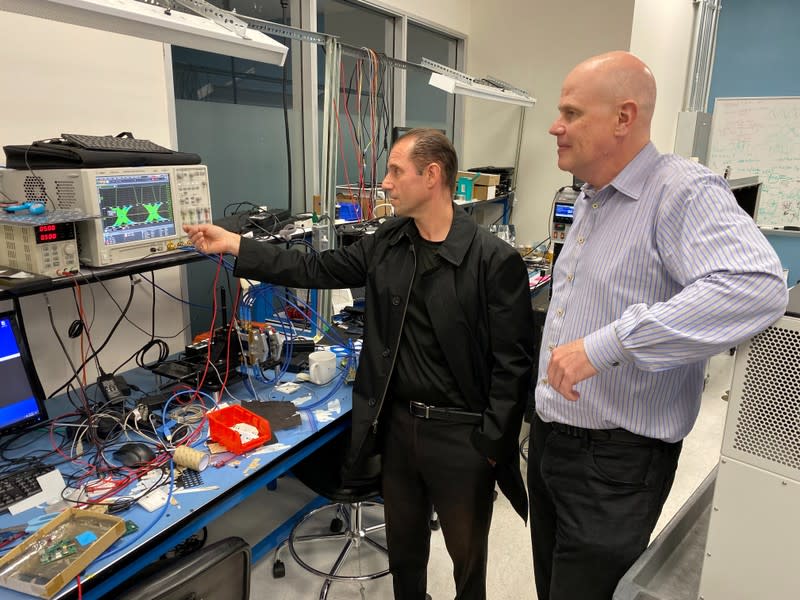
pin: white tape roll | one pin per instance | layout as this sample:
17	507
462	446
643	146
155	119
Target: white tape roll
190	457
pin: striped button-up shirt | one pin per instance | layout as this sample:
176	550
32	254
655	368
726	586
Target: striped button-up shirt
660	270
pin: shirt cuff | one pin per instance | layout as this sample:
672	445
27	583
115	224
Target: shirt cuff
247	260
604	349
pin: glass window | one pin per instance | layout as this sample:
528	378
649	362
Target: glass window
365	98
235	114
427	106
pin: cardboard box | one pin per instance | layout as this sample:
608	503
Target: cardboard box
52	557
464	188
480	178
483	192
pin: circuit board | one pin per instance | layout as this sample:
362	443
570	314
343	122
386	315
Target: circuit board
130	527
59	550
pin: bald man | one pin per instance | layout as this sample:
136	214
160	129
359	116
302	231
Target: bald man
660	270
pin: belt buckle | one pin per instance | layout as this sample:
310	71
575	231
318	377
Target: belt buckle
427	408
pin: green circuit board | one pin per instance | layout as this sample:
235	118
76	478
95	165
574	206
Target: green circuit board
58	551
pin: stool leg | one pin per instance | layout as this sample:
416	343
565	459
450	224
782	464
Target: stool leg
323	594
345	513
320	536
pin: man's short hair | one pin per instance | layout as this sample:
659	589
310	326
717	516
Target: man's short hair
431	145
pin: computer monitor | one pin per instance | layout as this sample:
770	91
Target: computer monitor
21	394
747	191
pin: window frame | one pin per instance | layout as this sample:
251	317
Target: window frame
307	9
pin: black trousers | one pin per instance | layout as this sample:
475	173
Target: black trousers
432	462
594	503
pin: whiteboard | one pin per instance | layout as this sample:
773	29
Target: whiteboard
761	137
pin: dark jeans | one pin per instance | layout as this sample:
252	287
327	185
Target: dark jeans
594	503
425	463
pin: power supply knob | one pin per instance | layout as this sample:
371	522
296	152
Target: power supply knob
69	250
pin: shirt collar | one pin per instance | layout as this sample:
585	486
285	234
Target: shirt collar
630	181
458	240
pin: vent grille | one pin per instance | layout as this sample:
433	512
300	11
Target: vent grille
34	188
66	198
768	420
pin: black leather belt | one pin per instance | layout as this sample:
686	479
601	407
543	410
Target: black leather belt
613	435
423	411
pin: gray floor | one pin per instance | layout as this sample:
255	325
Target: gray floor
510	571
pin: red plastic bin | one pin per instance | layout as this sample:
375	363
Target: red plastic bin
221	421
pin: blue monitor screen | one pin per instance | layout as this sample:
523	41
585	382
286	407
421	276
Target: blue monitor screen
563	213
21	394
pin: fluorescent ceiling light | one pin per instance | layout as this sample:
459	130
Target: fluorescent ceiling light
479	90
151	22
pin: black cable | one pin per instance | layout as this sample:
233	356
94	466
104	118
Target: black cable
37	178
163	354
76	373
153	306
239	205
123	312
284	83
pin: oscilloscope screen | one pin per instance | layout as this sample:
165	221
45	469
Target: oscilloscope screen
135	208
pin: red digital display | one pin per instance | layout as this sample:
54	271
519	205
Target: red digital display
54	232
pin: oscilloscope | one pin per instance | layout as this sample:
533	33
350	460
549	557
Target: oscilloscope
138	210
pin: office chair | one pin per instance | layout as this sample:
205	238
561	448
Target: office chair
220	571
349	531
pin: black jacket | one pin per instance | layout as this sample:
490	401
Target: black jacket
479	304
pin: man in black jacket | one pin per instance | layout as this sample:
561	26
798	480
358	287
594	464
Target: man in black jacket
446	362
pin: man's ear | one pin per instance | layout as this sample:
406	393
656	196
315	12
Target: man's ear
627	113
433	175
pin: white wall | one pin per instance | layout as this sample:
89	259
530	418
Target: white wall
61	78
450	14
533	50
662	37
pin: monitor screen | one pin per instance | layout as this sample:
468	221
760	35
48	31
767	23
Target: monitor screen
135	208
21	394
563	213
747	197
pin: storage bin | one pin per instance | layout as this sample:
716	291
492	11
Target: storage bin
222	421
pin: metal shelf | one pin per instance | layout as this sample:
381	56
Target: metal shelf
13	288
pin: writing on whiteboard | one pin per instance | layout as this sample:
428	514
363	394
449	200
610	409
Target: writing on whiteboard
761	137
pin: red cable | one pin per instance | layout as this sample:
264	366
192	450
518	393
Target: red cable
230	329
211	329
339	128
